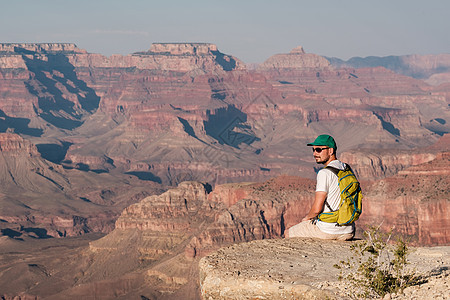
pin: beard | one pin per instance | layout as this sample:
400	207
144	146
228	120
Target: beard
321	160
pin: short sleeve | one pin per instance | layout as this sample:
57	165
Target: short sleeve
322	181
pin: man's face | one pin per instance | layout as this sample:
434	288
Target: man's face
322	154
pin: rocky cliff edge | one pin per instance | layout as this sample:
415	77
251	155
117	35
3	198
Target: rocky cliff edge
303	269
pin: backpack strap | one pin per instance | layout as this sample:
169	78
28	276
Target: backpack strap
335	171
328	205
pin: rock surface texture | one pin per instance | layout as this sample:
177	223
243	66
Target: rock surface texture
303	269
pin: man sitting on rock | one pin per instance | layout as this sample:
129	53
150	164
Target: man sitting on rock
327	197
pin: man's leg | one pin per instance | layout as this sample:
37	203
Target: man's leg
309	230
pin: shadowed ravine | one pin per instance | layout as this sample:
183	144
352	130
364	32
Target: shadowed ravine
53	105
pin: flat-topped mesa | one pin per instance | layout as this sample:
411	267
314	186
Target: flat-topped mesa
183	48
179	57
185	57
296	59
41	47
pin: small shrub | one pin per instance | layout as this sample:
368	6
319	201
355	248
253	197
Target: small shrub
377	267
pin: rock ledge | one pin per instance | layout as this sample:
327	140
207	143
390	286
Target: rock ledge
298	269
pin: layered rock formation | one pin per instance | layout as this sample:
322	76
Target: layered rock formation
44	200
378	164
185	111
53	91
11	48
177	57
418	202
296	59
157	242
204	220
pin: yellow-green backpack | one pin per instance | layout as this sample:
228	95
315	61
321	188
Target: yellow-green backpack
350	207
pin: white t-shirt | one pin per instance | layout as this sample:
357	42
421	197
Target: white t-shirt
328	182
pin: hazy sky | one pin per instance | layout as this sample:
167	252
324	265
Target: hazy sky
251	30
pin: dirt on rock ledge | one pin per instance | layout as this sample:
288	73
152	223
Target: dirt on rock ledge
303	269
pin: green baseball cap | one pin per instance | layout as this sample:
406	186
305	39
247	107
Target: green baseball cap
324	140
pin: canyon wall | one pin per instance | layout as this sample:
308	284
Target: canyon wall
185	111
182	111
43	199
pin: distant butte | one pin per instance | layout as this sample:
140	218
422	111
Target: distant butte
297	58
41	47
183	48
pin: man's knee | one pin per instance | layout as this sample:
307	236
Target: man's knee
346	237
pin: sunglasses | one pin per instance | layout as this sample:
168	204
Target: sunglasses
318	150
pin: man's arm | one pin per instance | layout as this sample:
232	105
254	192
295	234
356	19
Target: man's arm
317	206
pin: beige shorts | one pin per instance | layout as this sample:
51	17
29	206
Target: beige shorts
310	230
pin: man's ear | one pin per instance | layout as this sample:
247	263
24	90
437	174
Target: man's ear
334	152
